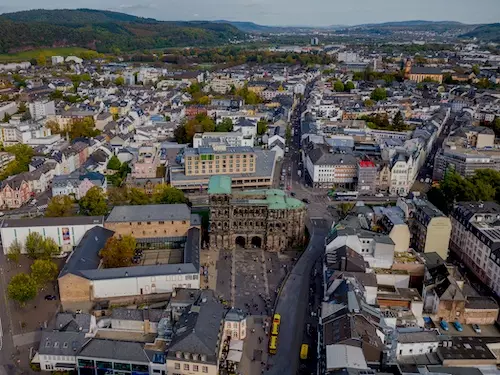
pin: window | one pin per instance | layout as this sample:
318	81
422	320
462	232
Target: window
195	368
139	223
161	222
177	366
156	371
204	369
186	366
148	223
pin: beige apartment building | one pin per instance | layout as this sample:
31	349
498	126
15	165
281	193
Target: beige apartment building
153	221
219	159
430	229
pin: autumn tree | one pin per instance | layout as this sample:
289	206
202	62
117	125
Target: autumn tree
117	196
41	59
118	252
94	202
119	81
14	251
22	288
59	206
43	271
138	197
168	194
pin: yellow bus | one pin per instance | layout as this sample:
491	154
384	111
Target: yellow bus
273	344
275	329
304	349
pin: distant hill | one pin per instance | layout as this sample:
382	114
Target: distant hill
489	33
105	31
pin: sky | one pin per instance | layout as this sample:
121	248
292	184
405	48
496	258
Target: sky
286	12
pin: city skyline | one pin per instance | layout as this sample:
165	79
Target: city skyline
289	12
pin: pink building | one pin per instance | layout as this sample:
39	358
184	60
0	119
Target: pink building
14	193
147	163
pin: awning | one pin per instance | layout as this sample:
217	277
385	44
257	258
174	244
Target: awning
234	356
36	358
236	345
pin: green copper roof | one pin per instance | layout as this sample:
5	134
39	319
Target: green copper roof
219	185
275	199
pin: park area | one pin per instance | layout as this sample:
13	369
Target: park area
48	52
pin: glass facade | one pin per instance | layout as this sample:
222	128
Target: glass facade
101	367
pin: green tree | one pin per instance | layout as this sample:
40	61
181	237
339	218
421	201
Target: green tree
22	288
138	197
225	126
114	163
22	108
94	202
379	94
338	86
475	69
118	252
34	245
43	271
288	134
59	206
14	251
168	195
398	123
261	127
349	85
6	117
50	248
119	81
83	128
369	103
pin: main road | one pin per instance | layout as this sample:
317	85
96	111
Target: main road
293	300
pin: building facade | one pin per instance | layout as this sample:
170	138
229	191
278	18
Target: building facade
267	219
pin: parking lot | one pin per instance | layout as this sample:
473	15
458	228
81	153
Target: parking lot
486	330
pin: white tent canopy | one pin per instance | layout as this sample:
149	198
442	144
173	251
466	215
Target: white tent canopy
234	356
236	345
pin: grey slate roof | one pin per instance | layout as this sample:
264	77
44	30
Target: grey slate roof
53	221
61	343
86	254
198	327
117	350
73	322
151	212
84	260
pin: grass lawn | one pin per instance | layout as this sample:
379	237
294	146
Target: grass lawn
33	54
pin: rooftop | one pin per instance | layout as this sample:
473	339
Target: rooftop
151	212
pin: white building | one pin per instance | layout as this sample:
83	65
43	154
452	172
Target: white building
8	108
65	231
235	324
475	239
417	343
42	108
402	174
233	139
56	60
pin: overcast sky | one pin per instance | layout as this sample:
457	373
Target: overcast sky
286	12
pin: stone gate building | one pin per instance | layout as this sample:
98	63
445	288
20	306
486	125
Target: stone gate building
266	218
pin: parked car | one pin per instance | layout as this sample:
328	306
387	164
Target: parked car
292	194
444	325
476	328
50	297
379	195
458	326
305	200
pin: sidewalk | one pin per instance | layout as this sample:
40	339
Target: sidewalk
26	338
255	354
209	258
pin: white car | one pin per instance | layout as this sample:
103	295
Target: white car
379	195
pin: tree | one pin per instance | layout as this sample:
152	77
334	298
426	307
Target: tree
379	94
119	81
475	69
14	251
83	128
117	196
118	252
53	126
138	197
114	163
261	127
22	107
369	103
59	206
225	126
168	194
338	86
50	248
41	60
288	134
94	202
22	288
34	245
349	85
398	122
43	271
